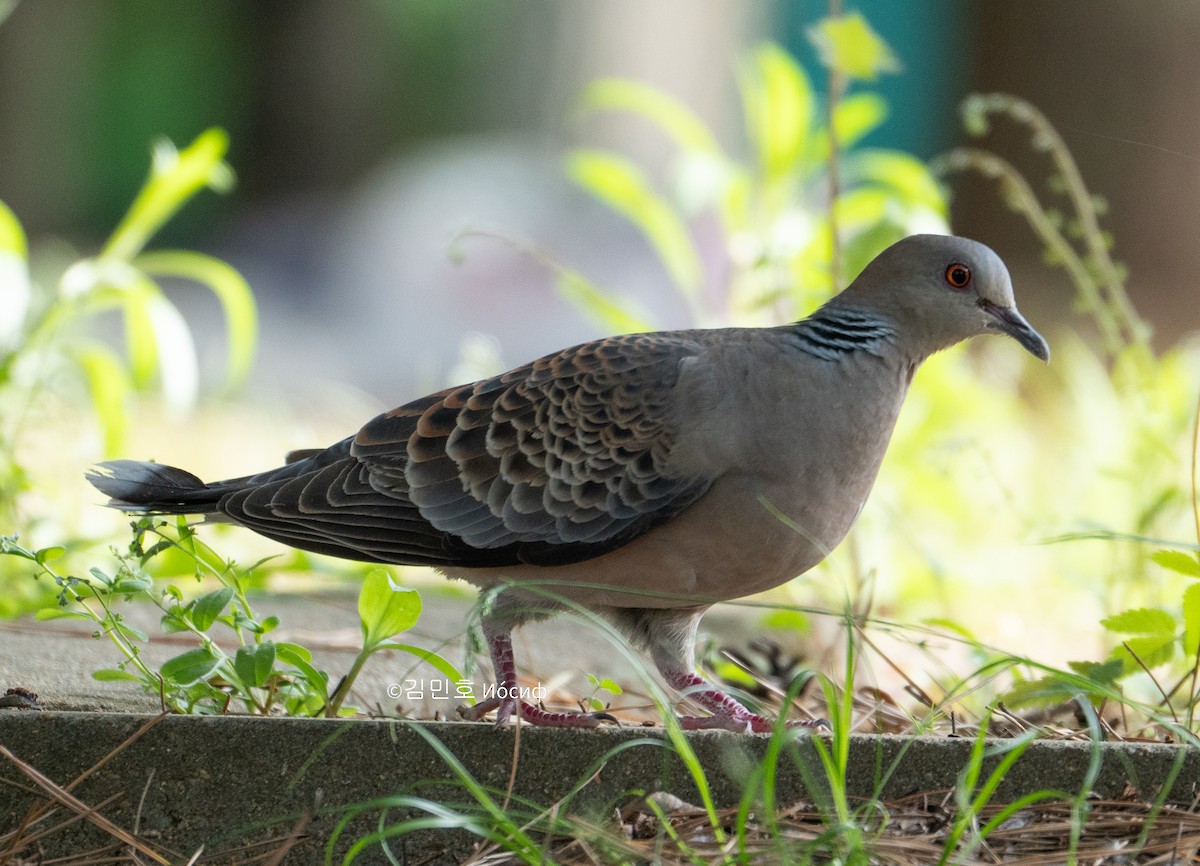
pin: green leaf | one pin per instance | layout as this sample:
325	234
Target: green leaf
191	667
111	675
175	176
12	236
209	606
445	668
48	554
294	650
132	583
778	100
787	620
100	575
1102	673
1142	620
385	608
610	686
1177	561
1045	692
621	185
856	116
15	287
318	681
848	45
660	108
254	663
906	177
129	631
1191	622
231	289
1152	650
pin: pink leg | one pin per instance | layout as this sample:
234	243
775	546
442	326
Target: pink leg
506	702
727	713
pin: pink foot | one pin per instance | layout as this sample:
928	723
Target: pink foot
727	714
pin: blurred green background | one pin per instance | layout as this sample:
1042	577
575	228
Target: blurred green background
367	133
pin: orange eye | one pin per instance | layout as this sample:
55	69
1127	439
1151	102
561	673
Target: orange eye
958	275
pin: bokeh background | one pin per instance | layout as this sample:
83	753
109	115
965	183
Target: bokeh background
368	134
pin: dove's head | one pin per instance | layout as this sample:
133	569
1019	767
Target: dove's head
940	290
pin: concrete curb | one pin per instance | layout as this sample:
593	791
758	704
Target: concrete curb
223	781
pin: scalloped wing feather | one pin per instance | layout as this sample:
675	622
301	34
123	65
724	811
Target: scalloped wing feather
559	461
564	458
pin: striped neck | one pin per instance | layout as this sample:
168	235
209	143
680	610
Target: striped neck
834	331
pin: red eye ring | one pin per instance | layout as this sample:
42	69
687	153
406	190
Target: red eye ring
958	275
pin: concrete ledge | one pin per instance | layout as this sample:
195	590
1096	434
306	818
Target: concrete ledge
225	781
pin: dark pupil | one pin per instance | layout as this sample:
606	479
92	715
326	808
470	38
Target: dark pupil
959	276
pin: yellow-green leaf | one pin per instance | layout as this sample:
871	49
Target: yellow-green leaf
12	236
385	608
904	176
856	116
660	108
778	101
621	185
175	176
847	44
1177	561
1152	650
15	289
1191	621
1142	620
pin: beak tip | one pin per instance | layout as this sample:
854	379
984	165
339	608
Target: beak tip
1011	322
1038	347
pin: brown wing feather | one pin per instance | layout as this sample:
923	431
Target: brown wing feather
558	461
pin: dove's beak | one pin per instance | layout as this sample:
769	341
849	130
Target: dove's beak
1011	322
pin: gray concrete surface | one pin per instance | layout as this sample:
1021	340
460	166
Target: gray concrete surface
223	782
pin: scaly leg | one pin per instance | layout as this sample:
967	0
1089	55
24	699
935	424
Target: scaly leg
671	638
507	700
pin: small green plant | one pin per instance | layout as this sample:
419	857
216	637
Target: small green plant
600	685
251	672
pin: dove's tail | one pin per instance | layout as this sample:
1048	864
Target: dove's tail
152	488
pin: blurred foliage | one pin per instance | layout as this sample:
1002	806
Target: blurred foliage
50	362
990	448
776	207
1134	421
